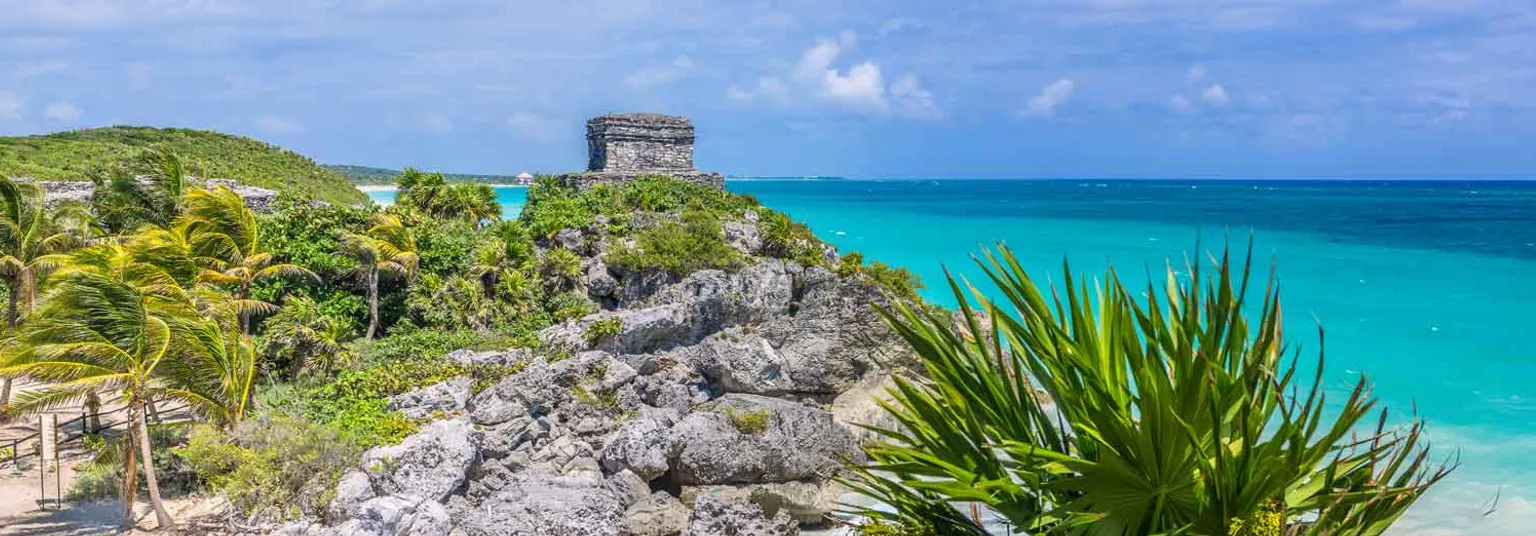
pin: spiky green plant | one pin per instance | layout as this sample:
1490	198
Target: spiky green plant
1170	414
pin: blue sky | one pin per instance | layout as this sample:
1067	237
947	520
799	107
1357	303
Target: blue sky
1024	88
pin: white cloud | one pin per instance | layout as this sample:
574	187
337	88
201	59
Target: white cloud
33	70
535	126
62	111
1050	98
272	124
660	75
863	86
1181	104
818	60
1216	95
911	100
1196	73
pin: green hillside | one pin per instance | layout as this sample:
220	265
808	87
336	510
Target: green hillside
381	176
68	156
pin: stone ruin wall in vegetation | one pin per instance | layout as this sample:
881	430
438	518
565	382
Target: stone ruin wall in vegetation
625	147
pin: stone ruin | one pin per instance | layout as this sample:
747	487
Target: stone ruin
55	192
625	147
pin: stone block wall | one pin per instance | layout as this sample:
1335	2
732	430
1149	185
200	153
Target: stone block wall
639	142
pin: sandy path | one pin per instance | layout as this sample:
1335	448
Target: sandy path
19	486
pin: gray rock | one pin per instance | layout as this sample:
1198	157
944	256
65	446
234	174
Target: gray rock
743	235
806	502
431	519
431	463
352	491
493	357
641	444
532	391
627	488
570	239
538	503
393	515
505	439
617	375
795	442
860	405
660	514
447	396
714	517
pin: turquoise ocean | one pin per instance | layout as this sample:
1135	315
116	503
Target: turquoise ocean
1427	288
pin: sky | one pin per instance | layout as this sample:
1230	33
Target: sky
957	88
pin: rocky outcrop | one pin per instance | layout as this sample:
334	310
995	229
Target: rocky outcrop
724	405
259	199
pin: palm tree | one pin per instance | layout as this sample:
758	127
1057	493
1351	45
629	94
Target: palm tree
560	269
104	331
31	237
387	248
430	194
511	251
307	338
148	188
1091	412
222	233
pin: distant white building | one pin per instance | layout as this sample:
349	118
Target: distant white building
524	178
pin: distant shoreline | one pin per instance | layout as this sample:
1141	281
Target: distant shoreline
389	188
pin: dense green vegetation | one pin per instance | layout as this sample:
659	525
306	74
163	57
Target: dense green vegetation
1168	414
79	155
372	176
288	333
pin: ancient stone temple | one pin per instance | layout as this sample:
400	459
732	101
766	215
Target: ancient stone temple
624	147
639	142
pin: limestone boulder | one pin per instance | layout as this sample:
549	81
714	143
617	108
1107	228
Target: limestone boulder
714	517
641	444
430	464
443	397
749	439
540	503
660	514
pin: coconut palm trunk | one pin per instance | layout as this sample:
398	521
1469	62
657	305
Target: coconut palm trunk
130	489
162	517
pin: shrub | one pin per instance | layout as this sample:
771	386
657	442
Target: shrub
570	306
276	469
552	207
750	422
603	329
788	239
680	248
306	234
102	477
446	247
